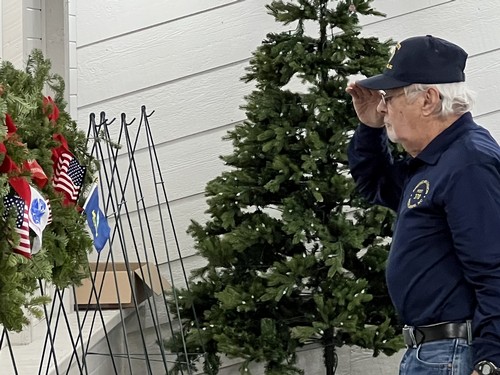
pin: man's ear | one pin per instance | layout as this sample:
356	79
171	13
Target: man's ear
432	101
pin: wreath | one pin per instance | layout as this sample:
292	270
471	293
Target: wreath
44	171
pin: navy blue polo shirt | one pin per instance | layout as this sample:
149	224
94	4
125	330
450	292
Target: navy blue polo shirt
444	263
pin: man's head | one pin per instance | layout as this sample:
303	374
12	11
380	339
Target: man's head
421	59
423	90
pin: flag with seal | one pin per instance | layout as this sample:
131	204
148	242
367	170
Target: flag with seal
96	219
39	217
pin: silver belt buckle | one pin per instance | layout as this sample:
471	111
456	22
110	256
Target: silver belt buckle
409	337
469	332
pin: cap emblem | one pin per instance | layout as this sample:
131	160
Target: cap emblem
396	48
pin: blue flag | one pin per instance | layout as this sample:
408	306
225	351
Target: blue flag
96	219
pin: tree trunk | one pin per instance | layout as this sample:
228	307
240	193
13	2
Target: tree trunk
329	353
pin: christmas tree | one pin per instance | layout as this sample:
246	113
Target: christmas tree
293	255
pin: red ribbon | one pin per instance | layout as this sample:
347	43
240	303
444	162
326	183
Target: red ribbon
37	174
50	109
8	164
11	127
22	188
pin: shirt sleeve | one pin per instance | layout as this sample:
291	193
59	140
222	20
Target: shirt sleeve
473	211
378	178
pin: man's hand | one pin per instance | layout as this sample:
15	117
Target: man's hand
475	373
365	103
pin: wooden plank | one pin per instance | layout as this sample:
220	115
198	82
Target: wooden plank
26	357
490	121
483	75
168	237
33	23
474	27
12	32
182	107
397	8
170	51
186	165
36	4
98	20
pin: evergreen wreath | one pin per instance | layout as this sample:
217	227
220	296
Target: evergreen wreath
31	128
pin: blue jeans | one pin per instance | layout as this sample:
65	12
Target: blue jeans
440	357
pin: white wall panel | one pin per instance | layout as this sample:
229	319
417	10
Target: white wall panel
471	24
186	165
395	8
33	24
106	19
189	46
182	107
33	43
483	75
72	88
72	7
33	4
12	32
490	121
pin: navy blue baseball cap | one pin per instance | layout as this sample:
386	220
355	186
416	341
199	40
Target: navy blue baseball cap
421	59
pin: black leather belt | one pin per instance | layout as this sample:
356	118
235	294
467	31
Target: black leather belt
414	336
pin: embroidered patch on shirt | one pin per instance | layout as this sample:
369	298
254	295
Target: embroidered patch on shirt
418	194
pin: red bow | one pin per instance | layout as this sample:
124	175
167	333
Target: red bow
50	109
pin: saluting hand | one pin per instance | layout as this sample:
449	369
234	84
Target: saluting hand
365	103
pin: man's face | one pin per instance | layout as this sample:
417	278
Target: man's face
401	117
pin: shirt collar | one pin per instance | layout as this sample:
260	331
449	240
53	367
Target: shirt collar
431	153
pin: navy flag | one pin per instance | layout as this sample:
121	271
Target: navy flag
96	219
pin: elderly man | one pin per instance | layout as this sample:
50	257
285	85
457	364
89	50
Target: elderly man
443	271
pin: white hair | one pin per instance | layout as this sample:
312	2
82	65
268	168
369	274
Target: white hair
456	97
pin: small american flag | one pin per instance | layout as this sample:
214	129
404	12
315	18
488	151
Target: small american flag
68	176
22	223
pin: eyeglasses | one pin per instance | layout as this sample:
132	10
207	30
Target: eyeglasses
387	98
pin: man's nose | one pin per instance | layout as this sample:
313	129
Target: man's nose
381	107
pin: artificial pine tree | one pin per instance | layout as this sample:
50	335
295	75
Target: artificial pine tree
294	256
